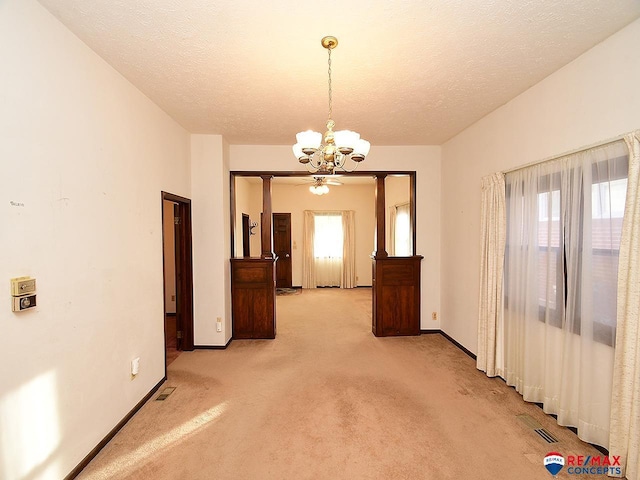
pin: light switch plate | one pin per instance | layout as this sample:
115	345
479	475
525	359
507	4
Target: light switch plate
23	286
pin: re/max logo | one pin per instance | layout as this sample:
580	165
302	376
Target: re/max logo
594	461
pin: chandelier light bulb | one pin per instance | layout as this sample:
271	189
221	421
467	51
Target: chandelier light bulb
309	140
319	189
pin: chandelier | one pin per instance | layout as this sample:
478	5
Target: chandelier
338	147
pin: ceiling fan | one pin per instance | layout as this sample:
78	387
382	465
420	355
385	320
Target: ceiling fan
319	185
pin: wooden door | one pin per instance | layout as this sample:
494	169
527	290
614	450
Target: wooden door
246	232
282	248
179	262
184	271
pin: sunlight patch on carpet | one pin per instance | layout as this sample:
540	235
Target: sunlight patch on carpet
156	446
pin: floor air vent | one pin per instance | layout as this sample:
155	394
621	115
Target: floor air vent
165	393
546	436
531	423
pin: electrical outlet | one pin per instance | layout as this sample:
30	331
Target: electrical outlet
219	324
434	315
173	298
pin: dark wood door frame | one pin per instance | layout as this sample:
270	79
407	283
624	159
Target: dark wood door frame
267	193
380	256
184	268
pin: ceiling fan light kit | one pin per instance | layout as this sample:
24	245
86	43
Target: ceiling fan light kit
319	189
320	186
338	148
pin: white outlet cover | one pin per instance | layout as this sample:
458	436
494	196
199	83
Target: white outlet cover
135	366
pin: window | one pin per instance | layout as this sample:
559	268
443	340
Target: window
327	249
573	221
328	238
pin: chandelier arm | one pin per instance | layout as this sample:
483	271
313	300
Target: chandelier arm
317	157
343	165
356	167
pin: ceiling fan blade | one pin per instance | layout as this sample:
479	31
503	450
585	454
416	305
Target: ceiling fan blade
333	182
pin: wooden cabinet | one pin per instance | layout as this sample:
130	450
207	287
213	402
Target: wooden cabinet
253	298
396	296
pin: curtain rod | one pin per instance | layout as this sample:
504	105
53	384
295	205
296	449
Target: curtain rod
570	152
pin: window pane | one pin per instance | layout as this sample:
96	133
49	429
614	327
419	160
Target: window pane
328	236
607	207
549	258
608	198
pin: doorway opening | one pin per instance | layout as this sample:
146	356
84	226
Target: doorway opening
377	208
178	275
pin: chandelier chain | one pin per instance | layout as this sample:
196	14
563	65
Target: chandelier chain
330	92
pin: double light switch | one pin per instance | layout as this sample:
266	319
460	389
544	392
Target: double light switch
23	293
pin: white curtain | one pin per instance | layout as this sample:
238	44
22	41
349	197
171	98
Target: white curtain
492	234
625	403
329	249
308	263
348	249
391	241
563	233
402	231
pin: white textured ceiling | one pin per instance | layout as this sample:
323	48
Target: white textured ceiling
405	71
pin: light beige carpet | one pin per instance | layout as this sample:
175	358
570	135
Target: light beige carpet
328	400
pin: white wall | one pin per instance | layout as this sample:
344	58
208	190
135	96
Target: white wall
210	205
84	158
359	198
594	98
425	160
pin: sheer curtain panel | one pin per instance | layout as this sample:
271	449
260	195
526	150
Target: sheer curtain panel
492	235
402	231
391	240
564	222
348	249
625	403
308	263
